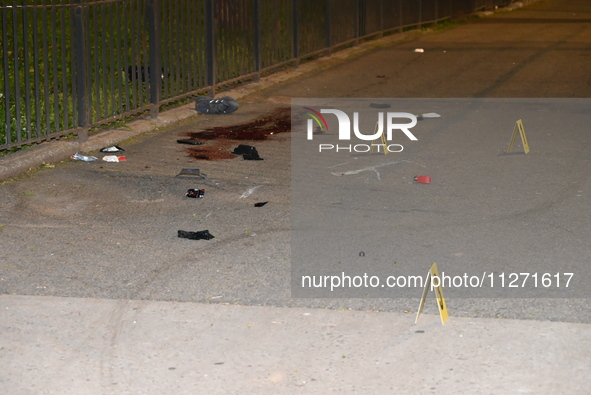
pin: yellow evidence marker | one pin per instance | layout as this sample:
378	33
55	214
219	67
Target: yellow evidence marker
519	127
383	138
441	305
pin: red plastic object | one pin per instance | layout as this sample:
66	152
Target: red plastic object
423	179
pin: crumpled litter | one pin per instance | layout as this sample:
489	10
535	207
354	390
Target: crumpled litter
195	193
113	148
114	158
85	158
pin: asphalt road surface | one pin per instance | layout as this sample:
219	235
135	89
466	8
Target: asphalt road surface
109	230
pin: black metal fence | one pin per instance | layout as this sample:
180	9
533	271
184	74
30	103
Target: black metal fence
67	66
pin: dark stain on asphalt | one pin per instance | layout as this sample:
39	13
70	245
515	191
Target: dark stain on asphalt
219	140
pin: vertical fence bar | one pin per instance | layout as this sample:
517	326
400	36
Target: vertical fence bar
17	97
177	48
65	98
132	67
126	63
381	33
420	14
361	19
202	69
172	61
174	65
193	43
81	55
103	69
155	65
436	11
94	88
54	62
143	60
400	15
111	65
194	58
235	20
328	27
257	38
142	66
184	26
167	36
26	70
119	64
210	52
36	74
8	131
45	74
219	44
223	21
72	66
357	21
178	69
296	37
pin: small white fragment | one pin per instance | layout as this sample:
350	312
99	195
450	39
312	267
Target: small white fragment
249	192
371	168
111	158
420	50
430	115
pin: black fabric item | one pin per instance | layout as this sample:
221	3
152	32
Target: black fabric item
248	152
189	141
379	105
243	149
208	105
201	235
252	155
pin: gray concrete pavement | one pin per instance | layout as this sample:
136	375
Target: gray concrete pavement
91	346
100	296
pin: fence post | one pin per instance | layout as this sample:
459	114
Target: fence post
257	39
436	11
381	34
420	13
357	21
81	56
328	27
210	47
362	18
400	16
296	36
156	74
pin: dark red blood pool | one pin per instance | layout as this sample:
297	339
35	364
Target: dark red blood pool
222	139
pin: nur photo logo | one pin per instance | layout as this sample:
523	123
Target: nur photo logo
385	126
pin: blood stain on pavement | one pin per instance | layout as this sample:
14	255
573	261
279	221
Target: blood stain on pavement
219	140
